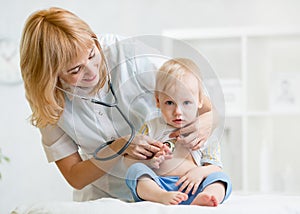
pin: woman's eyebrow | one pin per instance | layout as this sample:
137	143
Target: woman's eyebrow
80	64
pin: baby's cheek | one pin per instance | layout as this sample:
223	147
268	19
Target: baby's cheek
191	115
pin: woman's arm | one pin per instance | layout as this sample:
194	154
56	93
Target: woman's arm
79	173
61	149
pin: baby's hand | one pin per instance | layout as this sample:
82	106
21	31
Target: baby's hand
191	180
156	161
159	157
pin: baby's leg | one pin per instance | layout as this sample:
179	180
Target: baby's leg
147	189
212	195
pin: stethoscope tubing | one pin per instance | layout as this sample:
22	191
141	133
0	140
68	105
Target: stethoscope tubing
104	145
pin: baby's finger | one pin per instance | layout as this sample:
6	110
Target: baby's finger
196	186
189	187
182	179
168	156
183	186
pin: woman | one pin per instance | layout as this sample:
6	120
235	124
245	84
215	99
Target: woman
61	55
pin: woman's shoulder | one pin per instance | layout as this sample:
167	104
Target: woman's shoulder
109	39
50	134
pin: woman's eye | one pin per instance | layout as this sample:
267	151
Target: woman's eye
92	54
76	70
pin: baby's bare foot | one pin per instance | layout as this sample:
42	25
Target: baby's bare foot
204	199
172	198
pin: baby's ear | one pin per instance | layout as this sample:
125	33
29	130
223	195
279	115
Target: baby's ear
157	101
200	105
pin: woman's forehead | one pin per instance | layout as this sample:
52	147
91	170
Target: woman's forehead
78	58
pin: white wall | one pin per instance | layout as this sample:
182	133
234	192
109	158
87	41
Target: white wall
28	177
151	16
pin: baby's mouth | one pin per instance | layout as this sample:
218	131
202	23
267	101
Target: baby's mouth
178	121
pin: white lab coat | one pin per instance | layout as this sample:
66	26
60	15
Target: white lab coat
86	125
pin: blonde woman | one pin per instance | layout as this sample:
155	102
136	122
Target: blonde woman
189	177
61	55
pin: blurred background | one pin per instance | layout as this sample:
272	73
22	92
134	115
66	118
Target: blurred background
254	47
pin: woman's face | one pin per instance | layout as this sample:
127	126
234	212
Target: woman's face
84	72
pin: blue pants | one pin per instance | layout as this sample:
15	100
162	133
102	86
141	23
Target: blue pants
137	170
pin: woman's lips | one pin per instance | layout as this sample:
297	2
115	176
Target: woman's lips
91	79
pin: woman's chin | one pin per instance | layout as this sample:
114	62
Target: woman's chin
89	84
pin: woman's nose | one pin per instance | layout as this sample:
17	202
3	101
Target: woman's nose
91	67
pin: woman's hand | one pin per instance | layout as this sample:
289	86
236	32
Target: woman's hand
143	147
196	133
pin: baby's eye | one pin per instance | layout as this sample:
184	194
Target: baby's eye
169	102
187	102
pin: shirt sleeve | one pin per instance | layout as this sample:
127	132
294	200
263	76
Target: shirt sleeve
211	152
56	143
144	129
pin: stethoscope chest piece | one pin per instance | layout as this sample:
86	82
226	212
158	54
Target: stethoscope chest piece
171	144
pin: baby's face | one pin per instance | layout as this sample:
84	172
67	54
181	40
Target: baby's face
180	102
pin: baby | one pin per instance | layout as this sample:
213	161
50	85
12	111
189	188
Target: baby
188	177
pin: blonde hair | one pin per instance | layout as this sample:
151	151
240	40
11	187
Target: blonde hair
174	70
52	38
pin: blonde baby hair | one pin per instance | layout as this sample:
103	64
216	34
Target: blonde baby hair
173	70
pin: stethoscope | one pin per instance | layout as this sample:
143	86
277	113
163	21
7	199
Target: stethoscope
132	130
114	104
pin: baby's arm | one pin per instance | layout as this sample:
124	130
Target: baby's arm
153	162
